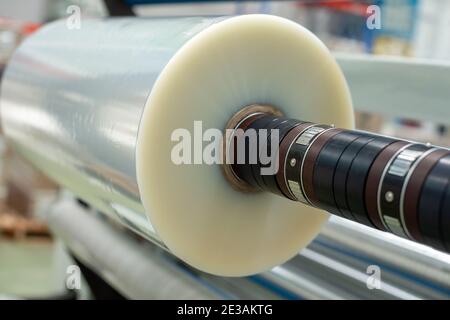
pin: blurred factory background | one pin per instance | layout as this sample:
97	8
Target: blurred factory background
36	263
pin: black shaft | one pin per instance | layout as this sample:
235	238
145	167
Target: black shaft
386	183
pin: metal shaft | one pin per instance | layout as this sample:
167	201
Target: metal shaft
393	185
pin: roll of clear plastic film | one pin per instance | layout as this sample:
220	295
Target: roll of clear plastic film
95	109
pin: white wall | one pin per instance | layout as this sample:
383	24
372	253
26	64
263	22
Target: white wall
24	10
433	30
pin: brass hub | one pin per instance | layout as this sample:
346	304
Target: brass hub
233	124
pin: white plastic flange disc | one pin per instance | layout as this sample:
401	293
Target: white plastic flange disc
234	63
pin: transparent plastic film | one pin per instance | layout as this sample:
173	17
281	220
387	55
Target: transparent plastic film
95	109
